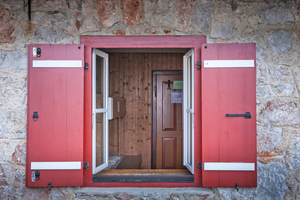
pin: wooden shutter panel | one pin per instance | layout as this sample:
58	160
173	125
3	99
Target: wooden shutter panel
229	143
55	138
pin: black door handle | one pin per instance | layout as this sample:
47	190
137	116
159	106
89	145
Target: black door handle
247	115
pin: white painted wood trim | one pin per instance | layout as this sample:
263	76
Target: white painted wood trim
228	166
187	109
228	63
55	165
104	110
110	108
57	63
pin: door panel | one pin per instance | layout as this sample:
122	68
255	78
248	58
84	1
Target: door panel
229	88
55	138
100	111
169	124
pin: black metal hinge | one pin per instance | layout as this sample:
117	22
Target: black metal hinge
86	165
198	65
86	66
199	165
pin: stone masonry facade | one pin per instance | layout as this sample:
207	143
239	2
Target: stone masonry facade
274	25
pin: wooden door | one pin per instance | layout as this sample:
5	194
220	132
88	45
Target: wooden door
169	126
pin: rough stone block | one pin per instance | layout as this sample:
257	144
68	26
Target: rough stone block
280	113
49	5
282	81
7	26
201	15
13	60
2	124
50	35
107	12
280	41
274	15
182	14
59	19
270	184
123	196
164	13
132	12
222	30
19	156
268	137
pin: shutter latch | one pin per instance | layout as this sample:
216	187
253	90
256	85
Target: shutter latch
86	165
86	66
199	165
198	65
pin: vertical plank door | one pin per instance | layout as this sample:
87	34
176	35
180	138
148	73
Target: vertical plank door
228	115
55	135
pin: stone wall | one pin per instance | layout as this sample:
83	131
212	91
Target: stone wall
273	25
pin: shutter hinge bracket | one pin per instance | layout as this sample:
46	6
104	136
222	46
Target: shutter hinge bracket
86	66
198	65
86	165
199	165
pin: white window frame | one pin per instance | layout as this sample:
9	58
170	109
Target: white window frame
188	72
104	111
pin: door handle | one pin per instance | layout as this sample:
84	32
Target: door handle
247	115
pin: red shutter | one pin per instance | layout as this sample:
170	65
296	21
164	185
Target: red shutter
229	143
55	138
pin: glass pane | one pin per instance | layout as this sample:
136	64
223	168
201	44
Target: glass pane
100	139
191	82
99	82
190	139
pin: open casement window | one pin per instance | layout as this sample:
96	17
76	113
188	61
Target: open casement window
55	115
188	111
228	115
100	111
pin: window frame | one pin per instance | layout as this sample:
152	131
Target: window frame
90	42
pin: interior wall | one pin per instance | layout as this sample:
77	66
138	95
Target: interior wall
130	78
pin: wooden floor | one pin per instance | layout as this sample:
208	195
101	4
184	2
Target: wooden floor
145	172
144	176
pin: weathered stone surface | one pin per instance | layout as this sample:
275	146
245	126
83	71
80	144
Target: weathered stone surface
19	156
59	19
222	30
280	41
296	161
5	189
49	5
163	14
282	81
275	15
86	20
35	193
2	125
133	12
201	15
293	182
123	196
297	78
13	60
50	35
280	113
269	137
7	26
270	184
174	197
150	31
118	32
148	9
263	93
182	14
107	12
262	72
